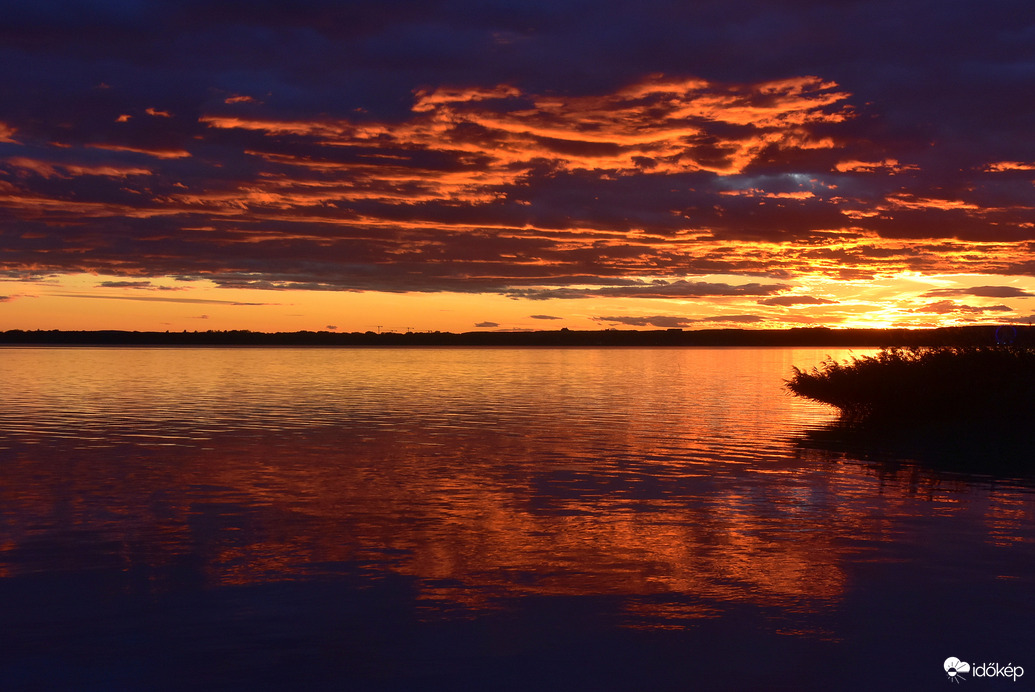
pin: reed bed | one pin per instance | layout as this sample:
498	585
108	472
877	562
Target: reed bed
906	386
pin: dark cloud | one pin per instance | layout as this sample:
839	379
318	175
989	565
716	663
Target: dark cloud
525	148
125	284
981	291
944	307
671	321
545	317
796	300
742	319
1009	319
158	299
657	289
487	324
662	321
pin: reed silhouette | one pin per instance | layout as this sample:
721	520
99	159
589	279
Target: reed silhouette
952	409
901	387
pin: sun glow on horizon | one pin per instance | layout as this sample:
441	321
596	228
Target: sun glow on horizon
91	301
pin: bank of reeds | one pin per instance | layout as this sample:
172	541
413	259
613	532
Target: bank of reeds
902	387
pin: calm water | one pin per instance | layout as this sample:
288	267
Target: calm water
483	519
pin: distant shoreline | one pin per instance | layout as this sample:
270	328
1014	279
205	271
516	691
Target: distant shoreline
794	337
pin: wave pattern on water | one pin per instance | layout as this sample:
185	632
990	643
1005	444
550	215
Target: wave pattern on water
190	395
664	478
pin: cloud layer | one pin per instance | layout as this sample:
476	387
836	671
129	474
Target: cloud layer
552	150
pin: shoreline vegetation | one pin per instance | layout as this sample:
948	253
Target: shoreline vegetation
960	409
955	409
971	336
985	386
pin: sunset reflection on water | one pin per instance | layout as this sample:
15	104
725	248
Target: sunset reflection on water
665	481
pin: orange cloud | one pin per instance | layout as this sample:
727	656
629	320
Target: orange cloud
755	192
157	153
327	129
663	121
906	201
68	170
1002	166
492	140
525	195
428	100
882	166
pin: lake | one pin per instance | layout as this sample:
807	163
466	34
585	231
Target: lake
484	519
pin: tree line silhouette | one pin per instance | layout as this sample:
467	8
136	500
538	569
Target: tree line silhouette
803	337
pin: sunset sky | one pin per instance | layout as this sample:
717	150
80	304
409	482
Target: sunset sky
464	165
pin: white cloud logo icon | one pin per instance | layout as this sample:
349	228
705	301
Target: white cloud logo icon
953	667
